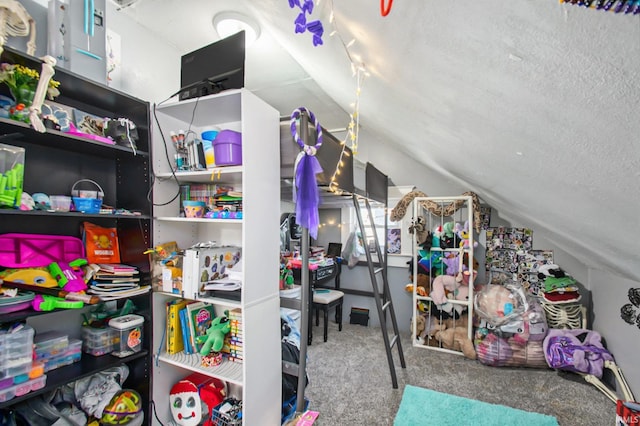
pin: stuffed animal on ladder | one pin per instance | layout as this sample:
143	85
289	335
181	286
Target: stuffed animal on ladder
16	21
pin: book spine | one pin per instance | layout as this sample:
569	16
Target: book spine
176	343
168	324
185	331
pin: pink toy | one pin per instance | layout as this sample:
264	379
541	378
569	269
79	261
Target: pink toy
69	275
454	285
38	250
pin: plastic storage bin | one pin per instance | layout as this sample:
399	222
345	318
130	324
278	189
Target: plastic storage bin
11	175
129	329
72	354
98	341
7	394
50	344
16	352
227	148
60	203
87	201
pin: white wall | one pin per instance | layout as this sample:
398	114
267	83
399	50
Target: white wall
610	293
150	66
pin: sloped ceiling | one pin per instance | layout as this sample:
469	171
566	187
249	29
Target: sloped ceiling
532	104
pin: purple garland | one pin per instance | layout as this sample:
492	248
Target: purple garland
305	188
314	27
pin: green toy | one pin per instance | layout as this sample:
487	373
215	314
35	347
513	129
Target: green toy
45	302
214	339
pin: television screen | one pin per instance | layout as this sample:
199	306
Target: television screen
213	68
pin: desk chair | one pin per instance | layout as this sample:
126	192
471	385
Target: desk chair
327	298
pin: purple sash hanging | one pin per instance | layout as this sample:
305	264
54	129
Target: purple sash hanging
307	166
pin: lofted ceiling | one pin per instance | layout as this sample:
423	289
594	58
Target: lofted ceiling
532	104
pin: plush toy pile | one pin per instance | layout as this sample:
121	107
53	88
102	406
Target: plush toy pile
445	333
512	327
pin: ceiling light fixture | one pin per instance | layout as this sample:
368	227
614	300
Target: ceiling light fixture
228	23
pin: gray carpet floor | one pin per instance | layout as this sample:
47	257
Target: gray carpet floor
350	382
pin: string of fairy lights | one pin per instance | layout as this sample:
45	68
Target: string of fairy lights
359	72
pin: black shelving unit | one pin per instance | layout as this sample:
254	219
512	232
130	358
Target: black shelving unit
87	366
54	161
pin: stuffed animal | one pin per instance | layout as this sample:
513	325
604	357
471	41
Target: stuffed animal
214	339
420	326
444	283
498	304
456	339
456	322
422	285
418	226
452	262
463	234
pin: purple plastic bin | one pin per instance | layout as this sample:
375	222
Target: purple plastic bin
227	148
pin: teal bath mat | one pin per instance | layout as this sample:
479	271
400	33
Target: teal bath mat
426	407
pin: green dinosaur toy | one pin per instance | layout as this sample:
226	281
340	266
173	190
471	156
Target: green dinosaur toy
214	339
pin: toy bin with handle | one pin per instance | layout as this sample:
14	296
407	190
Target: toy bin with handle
87	201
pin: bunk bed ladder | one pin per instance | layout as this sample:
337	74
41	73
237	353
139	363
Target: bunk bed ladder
387	306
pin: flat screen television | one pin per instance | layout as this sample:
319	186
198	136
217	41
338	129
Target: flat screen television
213	68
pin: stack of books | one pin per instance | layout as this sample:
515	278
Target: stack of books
228	205
186	320
114	281
235	335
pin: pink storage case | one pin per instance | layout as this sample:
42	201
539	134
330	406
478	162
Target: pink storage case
38	250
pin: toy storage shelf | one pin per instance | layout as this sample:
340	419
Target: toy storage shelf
72	214
54	162
87	366
228	371
60	140
229	303
228	174
255	379
198	220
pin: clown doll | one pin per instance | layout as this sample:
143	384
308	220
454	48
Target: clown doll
186	408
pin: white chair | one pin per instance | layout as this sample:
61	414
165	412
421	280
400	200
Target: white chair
325	299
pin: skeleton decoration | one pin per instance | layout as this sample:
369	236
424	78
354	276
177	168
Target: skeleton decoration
48	62
16	21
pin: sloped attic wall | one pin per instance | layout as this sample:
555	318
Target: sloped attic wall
529	103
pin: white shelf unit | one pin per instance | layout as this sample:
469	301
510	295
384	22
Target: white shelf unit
435	217
257	380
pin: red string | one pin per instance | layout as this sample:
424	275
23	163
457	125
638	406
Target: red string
384	11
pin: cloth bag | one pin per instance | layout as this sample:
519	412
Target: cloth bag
579	350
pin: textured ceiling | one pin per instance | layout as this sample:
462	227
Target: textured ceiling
532	104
